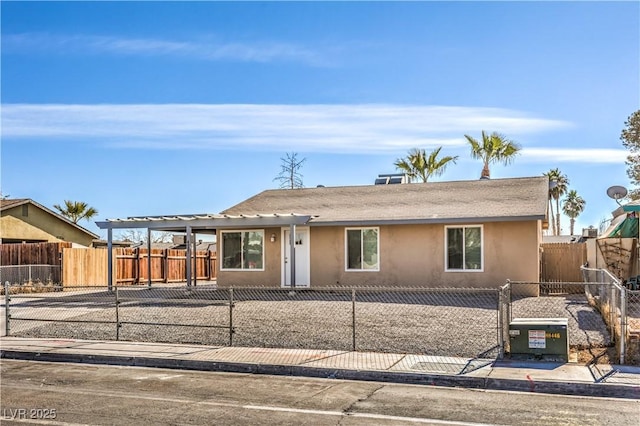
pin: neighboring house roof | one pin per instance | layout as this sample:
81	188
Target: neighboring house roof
200	246
6	204
434	202
115	243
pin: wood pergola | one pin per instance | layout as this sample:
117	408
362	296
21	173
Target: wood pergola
202	224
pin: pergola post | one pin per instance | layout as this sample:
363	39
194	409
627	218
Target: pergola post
195	260
149	256
188	258
109	259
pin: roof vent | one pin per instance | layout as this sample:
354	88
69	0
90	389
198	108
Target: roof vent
391	178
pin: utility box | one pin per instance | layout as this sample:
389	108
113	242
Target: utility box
540	338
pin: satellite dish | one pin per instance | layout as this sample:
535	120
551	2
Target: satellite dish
617	192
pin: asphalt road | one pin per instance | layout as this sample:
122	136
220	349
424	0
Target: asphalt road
70	394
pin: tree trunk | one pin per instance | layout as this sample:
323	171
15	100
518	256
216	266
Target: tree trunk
486	173
552	217
572	222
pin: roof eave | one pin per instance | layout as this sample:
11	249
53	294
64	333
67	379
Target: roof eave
427	221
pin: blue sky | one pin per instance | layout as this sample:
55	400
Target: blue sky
147	108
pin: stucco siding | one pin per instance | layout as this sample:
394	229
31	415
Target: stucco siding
414	255
16	229
409	255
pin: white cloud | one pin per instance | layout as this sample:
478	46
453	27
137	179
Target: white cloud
204	49
367	128
576	155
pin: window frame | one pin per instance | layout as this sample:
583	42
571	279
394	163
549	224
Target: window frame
242	232
446	248
346	247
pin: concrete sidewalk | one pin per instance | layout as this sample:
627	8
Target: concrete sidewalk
526	376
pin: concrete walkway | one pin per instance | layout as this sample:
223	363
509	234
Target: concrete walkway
525	376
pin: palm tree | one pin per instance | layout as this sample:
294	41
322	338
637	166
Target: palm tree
558	185
494	148
553	176
417	165
76	210
572	206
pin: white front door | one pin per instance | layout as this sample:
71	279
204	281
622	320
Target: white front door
303	277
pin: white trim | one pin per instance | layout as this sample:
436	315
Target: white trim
346	248
241	231
446	248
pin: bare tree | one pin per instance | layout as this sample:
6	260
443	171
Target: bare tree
137	236
290	176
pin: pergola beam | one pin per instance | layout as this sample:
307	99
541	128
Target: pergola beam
173	223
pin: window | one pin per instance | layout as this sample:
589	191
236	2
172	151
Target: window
362	249
464	248
243	250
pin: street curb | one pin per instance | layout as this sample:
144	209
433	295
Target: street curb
610	390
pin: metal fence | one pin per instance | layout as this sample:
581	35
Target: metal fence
438	322
34	275
620	309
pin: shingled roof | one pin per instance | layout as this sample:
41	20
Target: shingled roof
6	204
434	202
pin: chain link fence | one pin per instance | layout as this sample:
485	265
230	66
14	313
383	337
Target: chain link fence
633	327
437	322
620	307
36	277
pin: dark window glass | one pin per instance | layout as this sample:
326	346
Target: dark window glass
354	249
454	248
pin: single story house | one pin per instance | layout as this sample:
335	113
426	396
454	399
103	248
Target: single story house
26	221
461	234
458	234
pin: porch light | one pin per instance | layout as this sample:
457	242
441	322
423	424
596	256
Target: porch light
273	238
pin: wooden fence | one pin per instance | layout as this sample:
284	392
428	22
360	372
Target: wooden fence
166	265
560	262
130	266
84	267
32	253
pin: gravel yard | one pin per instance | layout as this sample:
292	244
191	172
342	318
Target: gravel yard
444	324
